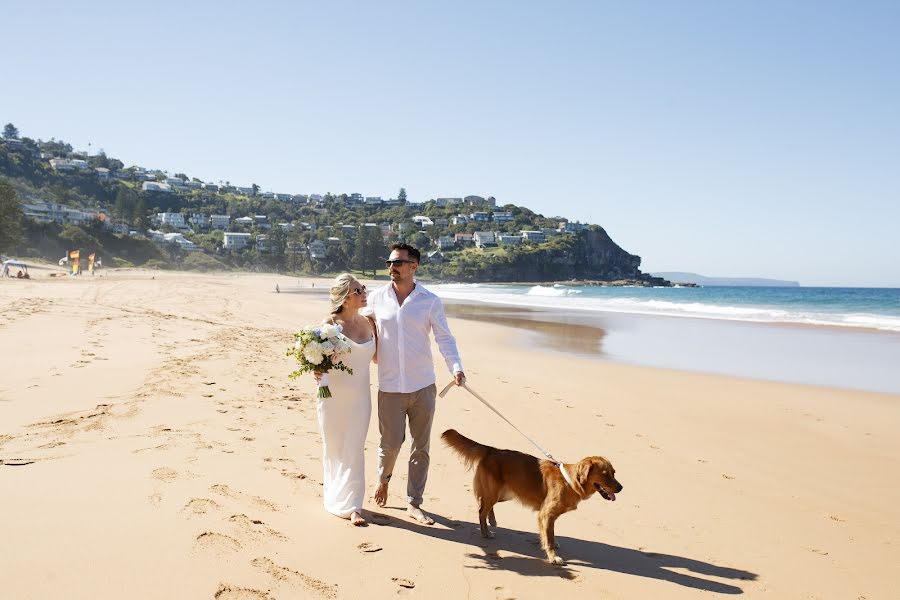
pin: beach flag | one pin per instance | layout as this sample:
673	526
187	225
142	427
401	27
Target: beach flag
73	256
91	263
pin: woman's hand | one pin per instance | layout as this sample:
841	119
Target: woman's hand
318	376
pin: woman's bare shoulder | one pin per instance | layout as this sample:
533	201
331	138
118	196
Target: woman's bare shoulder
333	318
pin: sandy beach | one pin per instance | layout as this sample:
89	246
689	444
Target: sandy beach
152	446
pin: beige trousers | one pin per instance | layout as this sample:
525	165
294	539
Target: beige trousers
393	411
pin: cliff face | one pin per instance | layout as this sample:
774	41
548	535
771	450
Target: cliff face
604	260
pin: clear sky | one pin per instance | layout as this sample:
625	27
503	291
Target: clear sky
748	138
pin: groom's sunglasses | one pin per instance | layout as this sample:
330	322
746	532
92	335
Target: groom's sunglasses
392	263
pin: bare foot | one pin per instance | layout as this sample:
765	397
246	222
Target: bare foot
417	514
381	494
357	519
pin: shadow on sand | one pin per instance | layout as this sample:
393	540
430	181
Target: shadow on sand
528	558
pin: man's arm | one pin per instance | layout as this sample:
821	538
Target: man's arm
445	341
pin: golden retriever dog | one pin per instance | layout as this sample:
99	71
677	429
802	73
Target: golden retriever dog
538	484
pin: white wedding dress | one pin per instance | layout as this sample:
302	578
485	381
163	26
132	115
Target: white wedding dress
344	423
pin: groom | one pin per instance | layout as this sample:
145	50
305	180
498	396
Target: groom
407	314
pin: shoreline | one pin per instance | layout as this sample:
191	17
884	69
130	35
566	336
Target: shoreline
778	352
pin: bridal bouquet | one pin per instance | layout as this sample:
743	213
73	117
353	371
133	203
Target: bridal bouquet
319	348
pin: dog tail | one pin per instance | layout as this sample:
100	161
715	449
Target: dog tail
469	450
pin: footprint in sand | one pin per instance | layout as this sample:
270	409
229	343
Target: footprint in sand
290	576
165	474
200	506
219	543
369	547
224	490
404	582
255	528
227	591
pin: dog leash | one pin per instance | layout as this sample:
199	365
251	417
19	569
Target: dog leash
549	456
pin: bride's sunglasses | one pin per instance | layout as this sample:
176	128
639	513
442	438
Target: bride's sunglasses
359	291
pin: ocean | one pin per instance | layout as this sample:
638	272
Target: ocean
875	308
838	337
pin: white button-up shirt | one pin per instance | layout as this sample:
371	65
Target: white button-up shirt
404	344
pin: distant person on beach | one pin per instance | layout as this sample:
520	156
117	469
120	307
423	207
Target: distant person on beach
407	314
344	418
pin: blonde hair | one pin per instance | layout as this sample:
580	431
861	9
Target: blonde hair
340	289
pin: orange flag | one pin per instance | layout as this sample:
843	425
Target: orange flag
73	256
91	263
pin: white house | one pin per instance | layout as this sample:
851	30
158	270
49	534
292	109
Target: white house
102	173
532	236
508	240
175	220
484	238
244	221
569	227
459	220
156	186
262	243
183	243
423	221
62	164
236	241
499	216
47	212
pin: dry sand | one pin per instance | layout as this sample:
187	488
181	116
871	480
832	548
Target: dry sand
153	447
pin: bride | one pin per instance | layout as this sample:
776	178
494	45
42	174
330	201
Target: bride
344	418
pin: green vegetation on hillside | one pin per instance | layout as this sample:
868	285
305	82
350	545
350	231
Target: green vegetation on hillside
352	234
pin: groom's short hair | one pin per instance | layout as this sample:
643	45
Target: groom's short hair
412	251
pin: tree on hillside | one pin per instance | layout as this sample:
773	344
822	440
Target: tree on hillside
10	131
277	247
402	196
369	253
10	216
141	219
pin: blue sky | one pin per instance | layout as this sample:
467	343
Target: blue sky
726	138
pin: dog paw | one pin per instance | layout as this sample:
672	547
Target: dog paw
487	534
557	560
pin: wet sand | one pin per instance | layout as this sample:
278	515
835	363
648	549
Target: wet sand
862	359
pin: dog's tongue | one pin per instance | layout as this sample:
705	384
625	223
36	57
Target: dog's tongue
612	497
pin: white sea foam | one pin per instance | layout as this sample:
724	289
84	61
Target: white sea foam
557	291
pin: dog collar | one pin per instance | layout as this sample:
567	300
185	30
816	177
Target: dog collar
568	478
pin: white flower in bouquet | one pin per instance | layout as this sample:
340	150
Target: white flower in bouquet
317	348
